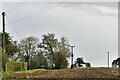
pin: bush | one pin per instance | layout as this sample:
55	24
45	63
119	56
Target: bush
15	66
4	59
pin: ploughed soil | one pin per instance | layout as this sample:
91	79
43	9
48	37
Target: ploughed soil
79	73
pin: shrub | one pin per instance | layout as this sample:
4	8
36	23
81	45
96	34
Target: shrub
15	66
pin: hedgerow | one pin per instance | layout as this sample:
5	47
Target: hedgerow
15	66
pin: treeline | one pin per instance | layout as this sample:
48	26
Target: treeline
80	62
49	52
116	63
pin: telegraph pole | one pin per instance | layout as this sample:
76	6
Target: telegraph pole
3	34
108	59
72	56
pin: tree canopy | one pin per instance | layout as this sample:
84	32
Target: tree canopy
56	51
116	62
10	47
51	52
79	62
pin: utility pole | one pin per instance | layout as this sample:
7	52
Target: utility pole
29	58
108	59
72	56
3	34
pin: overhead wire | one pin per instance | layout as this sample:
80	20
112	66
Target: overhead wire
47	9
37	12
13	26
15	7
25	17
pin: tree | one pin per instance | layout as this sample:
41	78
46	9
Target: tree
49	44
0	52
0	39
10	48
38	61
79	62
118	62
56	51
62	53
114	63
60	61
28	48
4	60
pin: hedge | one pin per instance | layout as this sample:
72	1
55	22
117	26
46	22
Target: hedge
15	66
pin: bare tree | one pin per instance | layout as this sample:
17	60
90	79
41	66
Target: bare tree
28	48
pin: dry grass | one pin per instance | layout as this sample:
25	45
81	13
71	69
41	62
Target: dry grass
68	73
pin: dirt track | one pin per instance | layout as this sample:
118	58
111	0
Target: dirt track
68	73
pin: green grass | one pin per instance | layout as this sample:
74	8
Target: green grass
26	71
15	72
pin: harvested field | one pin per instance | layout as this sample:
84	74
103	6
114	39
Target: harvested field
82	73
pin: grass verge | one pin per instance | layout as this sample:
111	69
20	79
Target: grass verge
26	71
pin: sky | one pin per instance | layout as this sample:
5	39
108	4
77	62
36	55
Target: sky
59	0
92	27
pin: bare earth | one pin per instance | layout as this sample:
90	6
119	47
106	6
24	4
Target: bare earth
112	73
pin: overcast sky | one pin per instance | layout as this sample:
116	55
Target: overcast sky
91	27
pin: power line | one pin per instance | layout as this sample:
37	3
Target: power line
44	9
47	9
28	16
15	7
12	25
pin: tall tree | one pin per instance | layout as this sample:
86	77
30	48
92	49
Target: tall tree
0	59
56	51
60	61
49	44
10	48
10	45
62	53
28	48
0	39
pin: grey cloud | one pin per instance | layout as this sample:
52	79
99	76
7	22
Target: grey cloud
95	7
